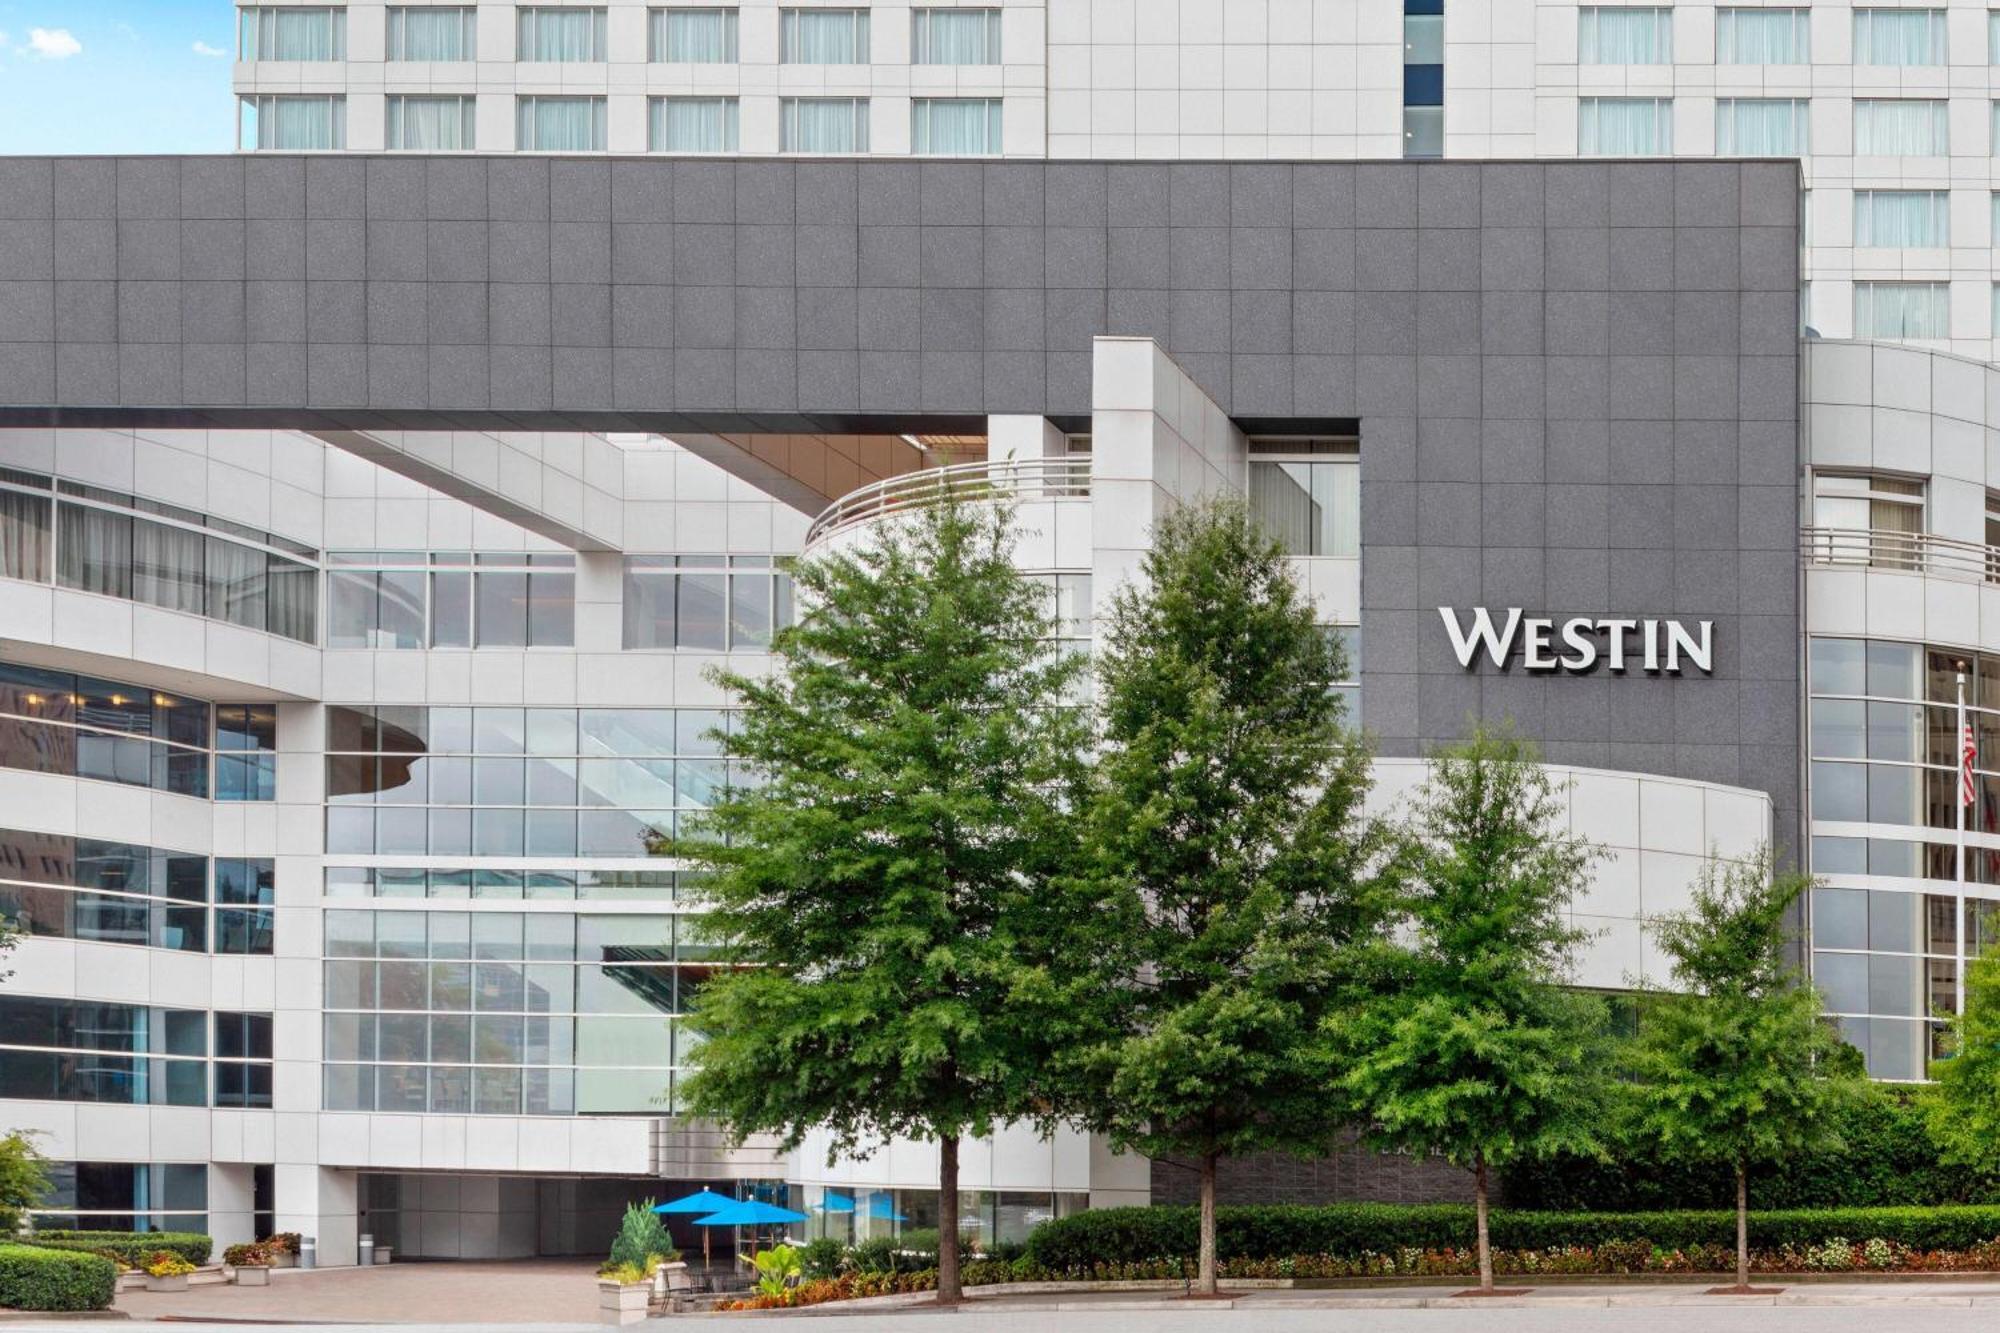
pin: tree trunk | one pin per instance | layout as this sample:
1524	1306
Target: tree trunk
1205	1283
1742	1226
948	1289
1479	1212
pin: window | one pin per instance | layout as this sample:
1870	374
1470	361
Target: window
450	599
560	124
1347	638
127	1196
1763	37
1624	35
559	33
692	36
27	529
1899	37
824	36
1625	126
1311	507
955	126
246	760
61	887
1863	518
79	726
302	123
1887	127
1902	309
1761	127
1902	219
242	1059
292	33
1993	38
430	124
1423	131
244	895
705	602
823	125
692	125
1423	39
954	36
432	32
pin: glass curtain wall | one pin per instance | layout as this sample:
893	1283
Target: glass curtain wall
710	603
450	599
70	888
126	1196
81	727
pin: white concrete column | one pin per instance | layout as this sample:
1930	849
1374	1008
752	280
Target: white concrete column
319	1202
232	1204
1017	437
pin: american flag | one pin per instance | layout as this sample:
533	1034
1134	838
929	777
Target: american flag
1968	750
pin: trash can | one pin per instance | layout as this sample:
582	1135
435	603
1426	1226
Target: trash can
367	1254
308	1251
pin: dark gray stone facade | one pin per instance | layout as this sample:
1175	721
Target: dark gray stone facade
1575	382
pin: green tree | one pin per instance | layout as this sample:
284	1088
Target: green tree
1226	820
888	880
24	1179
1738	1065
1478	1053
1962	1105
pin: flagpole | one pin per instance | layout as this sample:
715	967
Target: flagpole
1965	789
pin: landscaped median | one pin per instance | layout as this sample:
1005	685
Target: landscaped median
1358	1241
34	1278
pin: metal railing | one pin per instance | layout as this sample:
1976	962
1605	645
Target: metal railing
1011	480
1907	552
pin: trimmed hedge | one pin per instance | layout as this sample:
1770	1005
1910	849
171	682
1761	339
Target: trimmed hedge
130	1247
33	1278
1136	1235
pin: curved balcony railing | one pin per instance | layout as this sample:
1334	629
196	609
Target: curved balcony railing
1906	552
1012	480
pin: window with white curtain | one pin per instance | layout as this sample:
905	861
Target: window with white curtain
691	36
955	126
1761	127
1995	329
1310	507
292	32
294	121
559	124
1902	219
1763	37
1625	126
1902	309
1624	35
1896	127
432	32
430	123
1993	38
25	535
824	36
823	125
954	36
559	33
692	125
1899	37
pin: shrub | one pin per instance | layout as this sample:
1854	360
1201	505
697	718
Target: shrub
284	1242
642	1239
129	1247
33	1278
1139	1235
257	1254
24	1179
778	1268
165	1263
625	1275
821	1259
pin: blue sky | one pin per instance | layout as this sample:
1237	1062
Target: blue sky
116	76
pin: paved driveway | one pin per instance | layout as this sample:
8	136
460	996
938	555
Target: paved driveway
528	1291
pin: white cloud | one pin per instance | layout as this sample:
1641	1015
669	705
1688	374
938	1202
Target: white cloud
202	48
53	43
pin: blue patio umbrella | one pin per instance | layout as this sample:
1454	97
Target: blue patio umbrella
707	1201
750	1213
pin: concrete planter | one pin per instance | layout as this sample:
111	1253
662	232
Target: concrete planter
253	1275
284	1259
176	1282
621	1303
132	1280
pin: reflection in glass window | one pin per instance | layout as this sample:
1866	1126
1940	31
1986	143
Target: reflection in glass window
709	603
1312	508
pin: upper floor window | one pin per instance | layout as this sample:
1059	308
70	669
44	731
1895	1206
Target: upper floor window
301	122
1899	37
1761	127
429	123
61	887
559	124
1901	127
1867	502
823	125
80	727
1993	38
1902	219
1423	39
954	36
1763	37
292	32
246	759
704	602
1624	35
1312	506
955	126
691	36
1625	126
432	32
824	37
692	125
565	33
1902	310
450	599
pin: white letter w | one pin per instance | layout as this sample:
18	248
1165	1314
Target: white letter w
1497	644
